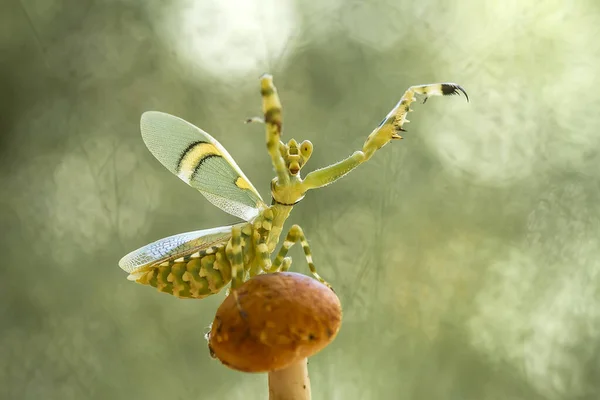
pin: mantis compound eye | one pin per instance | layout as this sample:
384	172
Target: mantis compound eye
306	149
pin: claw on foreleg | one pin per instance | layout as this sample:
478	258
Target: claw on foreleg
451	89
445	89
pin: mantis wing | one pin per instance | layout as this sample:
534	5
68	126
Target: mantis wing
172	248
201	162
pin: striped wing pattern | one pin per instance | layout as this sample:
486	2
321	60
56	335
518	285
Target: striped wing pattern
173	247
201	162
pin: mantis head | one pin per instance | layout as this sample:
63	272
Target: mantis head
295	155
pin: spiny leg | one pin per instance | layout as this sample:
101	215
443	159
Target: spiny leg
286	264
262	249
262	229
235	255
272	118
388	129
294	235
391	126
247	242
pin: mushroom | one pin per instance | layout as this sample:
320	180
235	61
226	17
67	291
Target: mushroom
279	321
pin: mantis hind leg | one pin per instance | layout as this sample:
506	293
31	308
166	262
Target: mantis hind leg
283	263
286	264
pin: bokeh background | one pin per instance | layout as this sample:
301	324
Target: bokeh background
467	257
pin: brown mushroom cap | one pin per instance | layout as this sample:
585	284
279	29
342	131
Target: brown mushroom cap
287	317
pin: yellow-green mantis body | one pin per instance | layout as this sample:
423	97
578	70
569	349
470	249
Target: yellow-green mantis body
200	263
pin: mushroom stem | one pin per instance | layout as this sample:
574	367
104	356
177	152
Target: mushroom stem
290	383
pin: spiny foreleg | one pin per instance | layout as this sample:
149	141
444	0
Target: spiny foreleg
283	263
388	129
272	118
391	126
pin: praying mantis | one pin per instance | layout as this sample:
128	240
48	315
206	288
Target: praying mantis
200	263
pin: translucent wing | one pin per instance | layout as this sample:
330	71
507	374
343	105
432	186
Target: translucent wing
173	247
201	162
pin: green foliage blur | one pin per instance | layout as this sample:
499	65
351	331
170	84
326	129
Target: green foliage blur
467	256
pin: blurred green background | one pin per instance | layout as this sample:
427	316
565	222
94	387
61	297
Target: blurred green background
467	257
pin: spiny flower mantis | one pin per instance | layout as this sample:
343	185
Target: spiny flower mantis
200	263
